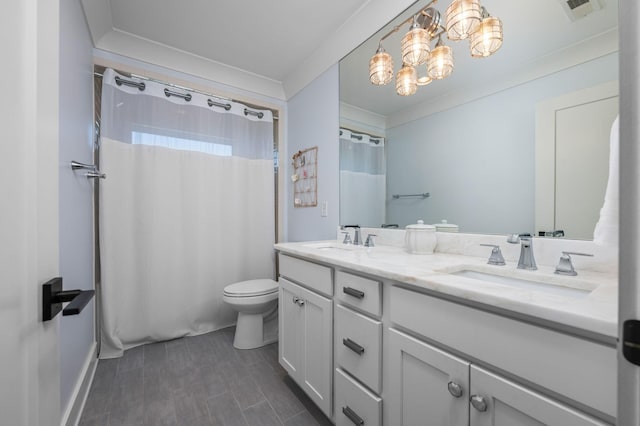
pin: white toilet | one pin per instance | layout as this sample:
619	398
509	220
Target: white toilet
257	304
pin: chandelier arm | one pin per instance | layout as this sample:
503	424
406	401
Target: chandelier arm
406	21
442	30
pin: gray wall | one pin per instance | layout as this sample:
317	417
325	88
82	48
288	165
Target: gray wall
313	120
477	159
75	208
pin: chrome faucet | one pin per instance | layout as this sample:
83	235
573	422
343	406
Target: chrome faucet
527	259
356	236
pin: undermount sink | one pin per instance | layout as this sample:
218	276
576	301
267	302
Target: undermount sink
544	287
329	245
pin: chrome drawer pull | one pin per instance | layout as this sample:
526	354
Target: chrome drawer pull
353	346
353	292
351	415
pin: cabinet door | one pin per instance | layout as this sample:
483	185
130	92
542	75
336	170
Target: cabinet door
290	333
316	376
508	404
426	385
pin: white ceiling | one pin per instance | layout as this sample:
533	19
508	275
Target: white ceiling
253	45
275	48
534	31
267	38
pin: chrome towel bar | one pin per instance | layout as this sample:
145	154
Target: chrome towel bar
423	195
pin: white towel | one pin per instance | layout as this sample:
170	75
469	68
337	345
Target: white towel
606	230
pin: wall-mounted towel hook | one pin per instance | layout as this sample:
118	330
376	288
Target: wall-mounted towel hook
53	297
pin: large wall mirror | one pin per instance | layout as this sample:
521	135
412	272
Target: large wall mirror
502	144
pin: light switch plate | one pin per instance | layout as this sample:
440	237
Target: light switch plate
324	211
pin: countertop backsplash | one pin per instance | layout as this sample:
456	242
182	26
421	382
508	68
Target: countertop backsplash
547	251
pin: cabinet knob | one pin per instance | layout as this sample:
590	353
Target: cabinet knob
479	402
455	389
300	302
295	299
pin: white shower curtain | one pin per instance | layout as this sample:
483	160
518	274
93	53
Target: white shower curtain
187	208
362	179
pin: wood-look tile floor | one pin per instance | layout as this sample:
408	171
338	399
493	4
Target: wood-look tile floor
200	380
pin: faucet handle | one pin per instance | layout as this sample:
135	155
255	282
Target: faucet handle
347	238
369	241
565	266
496	257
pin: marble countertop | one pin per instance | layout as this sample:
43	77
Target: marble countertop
593	309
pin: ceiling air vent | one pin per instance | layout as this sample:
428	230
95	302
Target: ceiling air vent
576	9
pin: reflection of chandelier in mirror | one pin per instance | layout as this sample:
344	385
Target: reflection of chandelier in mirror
464	19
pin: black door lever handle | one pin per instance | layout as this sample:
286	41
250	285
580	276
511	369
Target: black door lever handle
53	297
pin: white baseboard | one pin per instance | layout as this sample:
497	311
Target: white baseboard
73	411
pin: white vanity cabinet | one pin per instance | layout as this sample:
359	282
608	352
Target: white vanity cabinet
372	350
306	329
430	386
577	369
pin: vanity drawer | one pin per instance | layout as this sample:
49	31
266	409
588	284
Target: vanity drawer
580	369
308	274
361	293
354	404
358	346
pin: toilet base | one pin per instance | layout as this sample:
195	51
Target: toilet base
253	332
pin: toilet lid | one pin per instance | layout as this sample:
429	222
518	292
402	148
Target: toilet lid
251	288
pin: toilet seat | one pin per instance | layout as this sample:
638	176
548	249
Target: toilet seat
251	288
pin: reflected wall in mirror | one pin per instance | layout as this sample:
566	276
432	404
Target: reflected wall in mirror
470	140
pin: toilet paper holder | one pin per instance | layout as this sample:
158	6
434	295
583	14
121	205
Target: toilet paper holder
53	297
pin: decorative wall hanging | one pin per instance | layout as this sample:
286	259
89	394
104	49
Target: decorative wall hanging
305	177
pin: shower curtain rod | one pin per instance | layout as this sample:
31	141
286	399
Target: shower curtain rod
362	133
177	86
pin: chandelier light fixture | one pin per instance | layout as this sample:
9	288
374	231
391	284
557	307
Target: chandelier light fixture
381	67
440	63
464	20
415	45
487	39
406	80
